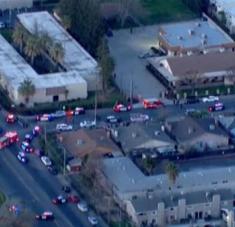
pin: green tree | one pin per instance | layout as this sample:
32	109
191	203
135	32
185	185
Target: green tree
106	64
26	89
56	52
83	17
19	36
148	164
46	42
33	48
172	172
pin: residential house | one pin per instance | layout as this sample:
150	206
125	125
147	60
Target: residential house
197	134
180	208
149	136
84	141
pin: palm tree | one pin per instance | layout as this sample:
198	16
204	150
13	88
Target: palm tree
19	36
26	89
172	172
33	48
46	41
57	52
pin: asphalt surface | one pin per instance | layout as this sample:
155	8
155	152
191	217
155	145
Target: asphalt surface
34	185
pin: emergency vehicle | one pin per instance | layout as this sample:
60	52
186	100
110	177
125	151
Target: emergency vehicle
8	139
152	103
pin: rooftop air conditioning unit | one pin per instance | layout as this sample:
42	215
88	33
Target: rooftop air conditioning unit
204	36
190	32
198	24
179	37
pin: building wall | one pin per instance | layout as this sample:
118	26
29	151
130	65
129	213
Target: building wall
15	4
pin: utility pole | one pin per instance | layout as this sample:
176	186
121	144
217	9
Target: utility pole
95	99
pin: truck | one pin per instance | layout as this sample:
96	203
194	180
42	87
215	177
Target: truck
8	138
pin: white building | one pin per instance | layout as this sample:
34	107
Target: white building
81	70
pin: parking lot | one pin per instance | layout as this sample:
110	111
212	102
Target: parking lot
126	48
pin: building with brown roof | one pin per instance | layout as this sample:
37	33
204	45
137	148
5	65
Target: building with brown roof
85	141
202	70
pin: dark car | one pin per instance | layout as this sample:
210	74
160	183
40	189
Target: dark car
28	137
192	100
66	189
52	170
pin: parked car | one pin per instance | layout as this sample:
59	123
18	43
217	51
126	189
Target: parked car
22	157
46	161
45	216
52	170
216	107
64	127
82	206
87	124
73	199
58	114
25	146
59	200
138	117
93	220
113	119
192	100
11	118
210	99
79	110
45	117
118	107
152	103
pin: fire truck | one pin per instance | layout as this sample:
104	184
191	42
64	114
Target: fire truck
8	139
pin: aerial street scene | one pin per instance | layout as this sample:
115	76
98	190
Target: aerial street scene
117	113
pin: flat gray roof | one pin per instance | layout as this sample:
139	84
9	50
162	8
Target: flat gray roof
177	34
76	57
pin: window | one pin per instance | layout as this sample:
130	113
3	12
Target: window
55	98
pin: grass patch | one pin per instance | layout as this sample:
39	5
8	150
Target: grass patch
2	198
159	11
7	34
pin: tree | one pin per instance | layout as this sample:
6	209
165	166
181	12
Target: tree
148	164
46	41
172	172
26	89
19	36
33	48
106	64
84	19
56	52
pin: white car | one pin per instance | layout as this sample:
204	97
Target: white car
22	157
139	117
210	99
82	206
59	113
93	220
46	161
64	127
112	119
87	124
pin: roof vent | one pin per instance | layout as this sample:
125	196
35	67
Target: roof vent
133	181
163	128
156	133
179	37
134	135
80	142
190	130
198	24
150	196
204	42
212	127
204	36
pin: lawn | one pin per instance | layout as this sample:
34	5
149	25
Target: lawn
2	198
159	11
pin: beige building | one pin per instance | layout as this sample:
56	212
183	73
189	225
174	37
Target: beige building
179	208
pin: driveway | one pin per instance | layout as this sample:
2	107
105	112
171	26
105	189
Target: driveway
125	47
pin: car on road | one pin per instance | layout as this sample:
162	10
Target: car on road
46	161
11	118
93	220
216	107
152	103
119	107
52	170
73	199
22	157
210	99
45	117
58	114
138	117
87	124
192	100
36	130
82	206
63	127
28	137
66	189
25	146
45	216
192	111
59	200
79	110
113	119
